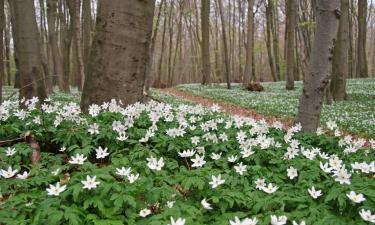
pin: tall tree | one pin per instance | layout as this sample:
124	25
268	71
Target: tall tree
311	101
120	52
86	24
340	63
74	9
28	50
226	54
362	70
7	46
249	43
289	45
58	70
206	62
2	25
152	47
269	41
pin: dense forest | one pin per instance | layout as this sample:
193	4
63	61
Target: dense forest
187	112
191	39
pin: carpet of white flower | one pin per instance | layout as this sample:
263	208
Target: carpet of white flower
156	164
357	115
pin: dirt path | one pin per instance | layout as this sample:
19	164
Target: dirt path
230	109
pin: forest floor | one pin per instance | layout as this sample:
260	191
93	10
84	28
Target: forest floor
356	115
229	108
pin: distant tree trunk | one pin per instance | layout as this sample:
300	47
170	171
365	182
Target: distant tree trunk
361	40
289	45
275	36
74	9
86	23
2	25
170	30
340	66
351	42
249	43
149	77
44	48
7	50
206	62
52	36
66	40
120	52
315	82
160	66
32	80
269	43
226	57
17	82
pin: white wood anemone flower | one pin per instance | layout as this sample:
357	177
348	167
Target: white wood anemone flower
314	193
90	182
55	190
357	198
78	159
245	221
179	221
8	173
205	204
216	181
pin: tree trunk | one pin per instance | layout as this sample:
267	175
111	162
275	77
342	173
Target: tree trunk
65	43
361	40
249	43
289	45
206	62
160	66
152	48
170	30
74	9
87	20
269	43
7	48
52	36
275	36
226	57
120	52
340	64
2	25
315	82
32	79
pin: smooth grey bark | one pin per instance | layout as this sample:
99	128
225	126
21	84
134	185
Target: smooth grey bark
226	54
247	78
74	10
86	23
2	25
361	67
206	62
315	82
58	70
290	45
340	64
27	39
149	77
120	53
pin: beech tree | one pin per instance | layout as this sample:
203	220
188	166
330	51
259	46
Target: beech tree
28	50
362	70
315	82
340	64
206	62
2	24
289	45
249	44
119	55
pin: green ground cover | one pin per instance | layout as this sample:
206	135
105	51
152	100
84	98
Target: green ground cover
356	115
